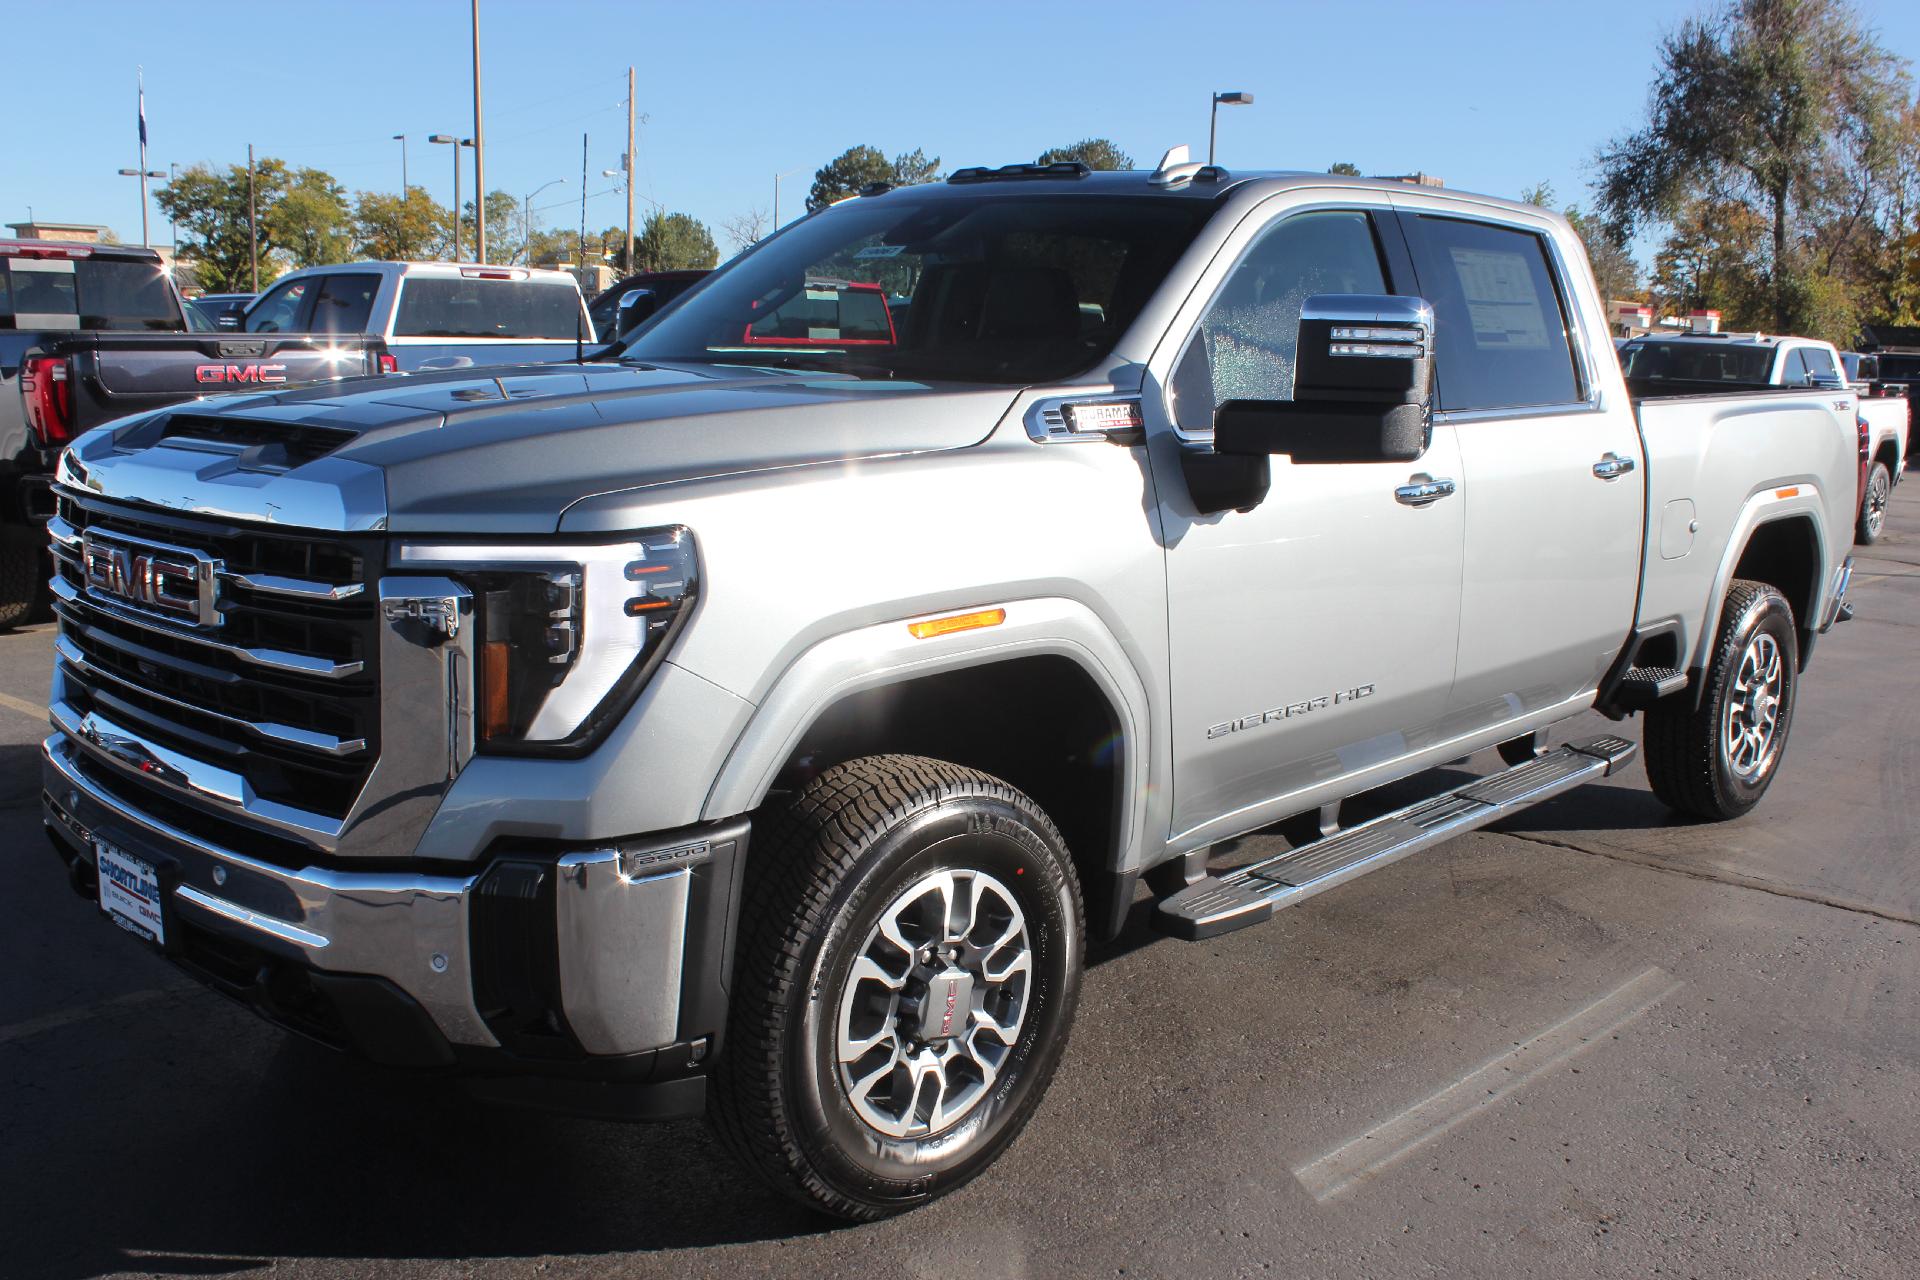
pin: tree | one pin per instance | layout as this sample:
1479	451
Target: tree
504	240
210	208
1714	259
862	166
392	228
1345	167
1095	153
675	242
310	221
746	229
1756	103
1614	269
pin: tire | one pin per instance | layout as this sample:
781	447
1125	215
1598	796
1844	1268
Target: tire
1873	506
22	581
856	849
1716	760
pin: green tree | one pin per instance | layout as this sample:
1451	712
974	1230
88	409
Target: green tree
674	242
1095	153
211	210
861	166
1714	258
391	228
1344	167
1614	269
1758	102
311	221
504	240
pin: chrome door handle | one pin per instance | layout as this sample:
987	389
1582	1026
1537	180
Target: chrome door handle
1612	466
1423	490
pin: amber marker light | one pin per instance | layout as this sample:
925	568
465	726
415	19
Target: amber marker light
958	622
1794	492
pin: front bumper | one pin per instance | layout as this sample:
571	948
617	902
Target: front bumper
581	963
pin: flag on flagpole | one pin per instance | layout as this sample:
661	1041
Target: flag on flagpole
143	109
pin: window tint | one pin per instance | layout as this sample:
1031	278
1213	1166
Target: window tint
1820	365
125	295
279	310
468	307
1697	360
1793	371
344	303
1244	348
1500	337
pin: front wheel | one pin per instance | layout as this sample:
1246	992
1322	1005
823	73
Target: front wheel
1873	505
909	967
1717	759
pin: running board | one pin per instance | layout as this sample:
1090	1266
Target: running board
1253	893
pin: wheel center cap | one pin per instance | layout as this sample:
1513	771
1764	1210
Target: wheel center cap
948	1005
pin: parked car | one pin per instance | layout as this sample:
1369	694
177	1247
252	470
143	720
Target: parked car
1896	349
767	727
432	314
55	299
1712	361
658	288
221	310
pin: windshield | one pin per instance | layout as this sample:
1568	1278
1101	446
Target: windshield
998	289
1698	361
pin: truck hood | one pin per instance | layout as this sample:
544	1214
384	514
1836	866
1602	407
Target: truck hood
507	450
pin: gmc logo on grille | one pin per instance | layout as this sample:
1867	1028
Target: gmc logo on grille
170	581
239	373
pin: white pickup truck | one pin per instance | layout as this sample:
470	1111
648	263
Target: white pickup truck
764	719
1710	361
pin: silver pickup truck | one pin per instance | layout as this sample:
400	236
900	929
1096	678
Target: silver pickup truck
765	720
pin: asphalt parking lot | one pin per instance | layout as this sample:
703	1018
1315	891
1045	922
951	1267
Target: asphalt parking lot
1590	1042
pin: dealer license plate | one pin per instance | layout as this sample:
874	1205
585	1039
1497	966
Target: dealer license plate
130	892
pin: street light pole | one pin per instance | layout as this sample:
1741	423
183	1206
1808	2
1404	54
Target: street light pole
143	175
457	143
253	221
1235	99
629	168
479	149
526	217
401	138
776	196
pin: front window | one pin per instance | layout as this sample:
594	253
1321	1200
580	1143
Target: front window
996	289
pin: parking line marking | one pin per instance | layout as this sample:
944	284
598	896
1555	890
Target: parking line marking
24	707
1384	1145
82	1013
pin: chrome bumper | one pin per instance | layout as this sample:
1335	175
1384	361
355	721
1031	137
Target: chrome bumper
622	913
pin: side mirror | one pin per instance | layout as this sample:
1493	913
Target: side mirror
636	307
1362	387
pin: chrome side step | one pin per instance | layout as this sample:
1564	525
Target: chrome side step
1253	893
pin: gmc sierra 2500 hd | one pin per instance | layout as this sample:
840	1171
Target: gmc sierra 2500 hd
765	727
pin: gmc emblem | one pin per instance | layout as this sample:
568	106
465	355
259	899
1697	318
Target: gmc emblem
152	578
239	373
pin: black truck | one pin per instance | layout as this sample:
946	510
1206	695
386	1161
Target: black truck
92	332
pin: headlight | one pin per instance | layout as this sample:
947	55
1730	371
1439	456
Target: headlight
567	634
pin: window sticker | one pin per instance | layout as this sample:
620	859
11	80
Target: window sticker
881	251
1501	299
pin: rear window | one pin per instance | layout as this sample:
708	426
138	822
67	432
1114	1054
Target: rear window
1699	360
439	307
86	293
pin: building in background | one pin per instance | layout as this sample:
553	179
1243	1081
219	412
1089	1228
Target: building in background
73	232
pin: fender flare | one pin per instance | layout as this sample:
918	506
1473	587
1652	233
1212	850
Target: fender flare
1765	506
887	653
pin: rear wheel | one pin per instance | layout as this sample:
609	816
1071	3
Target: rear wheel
912	940
1717	759
1873	505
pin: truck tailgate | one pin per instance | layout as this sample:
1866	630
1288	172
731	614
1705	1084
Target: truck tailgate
196	363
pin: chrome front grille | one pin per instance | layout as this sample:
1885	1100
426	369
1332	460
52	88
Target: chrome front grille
269	675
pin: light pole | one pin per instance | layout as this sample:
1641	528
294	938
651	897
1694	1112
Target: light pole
479	145
776	195
526	217
456	143
143	175
401	138
173	227
1213	123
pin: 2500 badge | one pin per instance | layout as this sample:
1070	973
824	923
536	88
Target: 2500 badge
1289	711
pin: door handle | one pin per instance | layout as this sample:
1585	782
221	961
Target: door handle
1612	466
1423	490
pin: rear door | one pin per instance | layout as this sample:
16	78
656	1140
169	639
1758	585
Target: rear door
1552	475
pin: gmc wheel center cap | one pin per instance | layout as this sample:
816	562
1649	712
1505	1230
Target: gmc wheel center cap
948	1005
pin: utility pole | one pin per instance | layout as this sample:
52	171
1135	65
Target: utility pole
253	221
401	138
776	196
583	212
629	170
479	149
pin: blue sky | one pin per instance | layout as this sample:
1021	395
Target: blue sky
1492	96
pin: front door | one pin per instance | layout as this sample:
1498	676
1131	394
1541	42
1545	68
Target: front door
1312	637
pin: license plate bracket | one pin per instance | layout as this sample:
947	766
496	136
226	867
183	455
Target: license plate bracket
132	892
